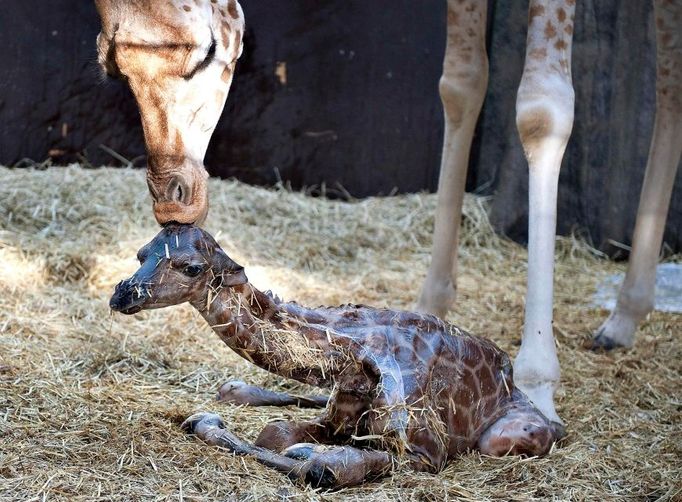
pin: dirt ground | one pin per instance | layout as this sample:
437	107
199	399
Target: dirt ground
90	402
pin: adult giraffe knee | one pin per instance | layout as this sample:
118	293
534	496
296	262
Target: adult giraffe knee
462	89
636	297
544	117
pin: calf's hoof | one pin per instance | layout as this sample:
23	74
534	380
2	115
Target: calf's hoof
228	391
199	423
316	473
320	476
300	451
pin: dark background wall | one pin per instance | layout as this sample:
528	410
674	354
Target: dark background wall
360	107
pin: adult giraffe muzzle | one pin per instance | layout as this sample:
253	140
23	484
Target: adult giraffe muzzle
178	59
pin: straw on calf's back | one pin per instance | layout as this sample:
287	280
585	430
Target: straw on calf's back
408	385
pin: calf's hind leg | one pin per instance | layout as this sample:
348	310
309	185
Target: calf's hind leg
210	428
339	466
322	467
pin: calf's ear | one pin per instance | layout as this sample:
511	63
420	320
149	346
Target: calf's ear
235	278
230	272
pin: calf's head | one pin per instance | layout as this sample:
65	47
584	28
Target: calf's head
183	263
178	58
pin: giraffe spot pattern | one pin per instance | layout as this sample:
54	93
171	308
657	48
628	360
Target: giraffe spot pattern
232	9
550	30
536	11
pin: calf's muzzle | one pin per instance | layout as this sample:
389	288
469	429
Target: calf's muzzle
128	297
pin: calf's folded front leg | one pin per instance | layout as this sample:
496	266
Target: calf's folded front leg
279	435
238	392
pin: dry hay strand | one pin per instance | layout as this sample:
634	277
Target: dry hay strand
90	403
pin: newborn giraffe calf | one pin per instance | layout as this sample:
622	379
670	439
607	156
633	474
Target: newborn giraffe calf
404	386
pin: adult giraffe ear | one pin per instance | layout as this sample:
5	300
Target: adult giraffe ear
231	273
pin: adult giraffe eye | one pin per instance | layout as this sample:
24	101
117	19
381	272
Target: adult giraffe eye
192	270
210	56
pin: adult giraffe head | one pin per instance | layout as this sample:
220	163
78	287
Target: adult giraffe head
178	57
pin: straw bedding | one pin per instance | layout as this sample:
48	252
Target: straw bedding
90	403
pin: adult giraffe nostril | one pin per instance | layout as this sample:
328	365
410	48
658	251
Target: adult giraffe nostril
178	191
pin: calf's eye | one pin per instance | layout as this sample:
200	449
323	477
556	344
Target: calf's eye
192	270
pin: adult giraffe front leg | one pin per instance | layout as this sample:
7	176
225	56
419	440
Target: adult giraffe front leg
544	117
636	298
462	89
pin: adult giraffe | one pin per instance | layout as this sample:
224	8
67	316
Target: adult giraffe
179	56
544	118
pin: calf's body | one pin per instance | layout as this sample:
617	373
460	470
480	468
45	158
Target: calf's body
404	386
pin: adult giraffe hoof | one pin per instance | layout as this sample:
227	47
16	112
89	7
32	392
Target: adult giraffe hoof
616	332
436	298
199	423
602	342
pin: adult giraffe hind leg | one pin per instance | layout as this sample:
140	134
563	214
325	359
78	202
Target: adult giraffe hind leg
544	117
636	297
462	89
